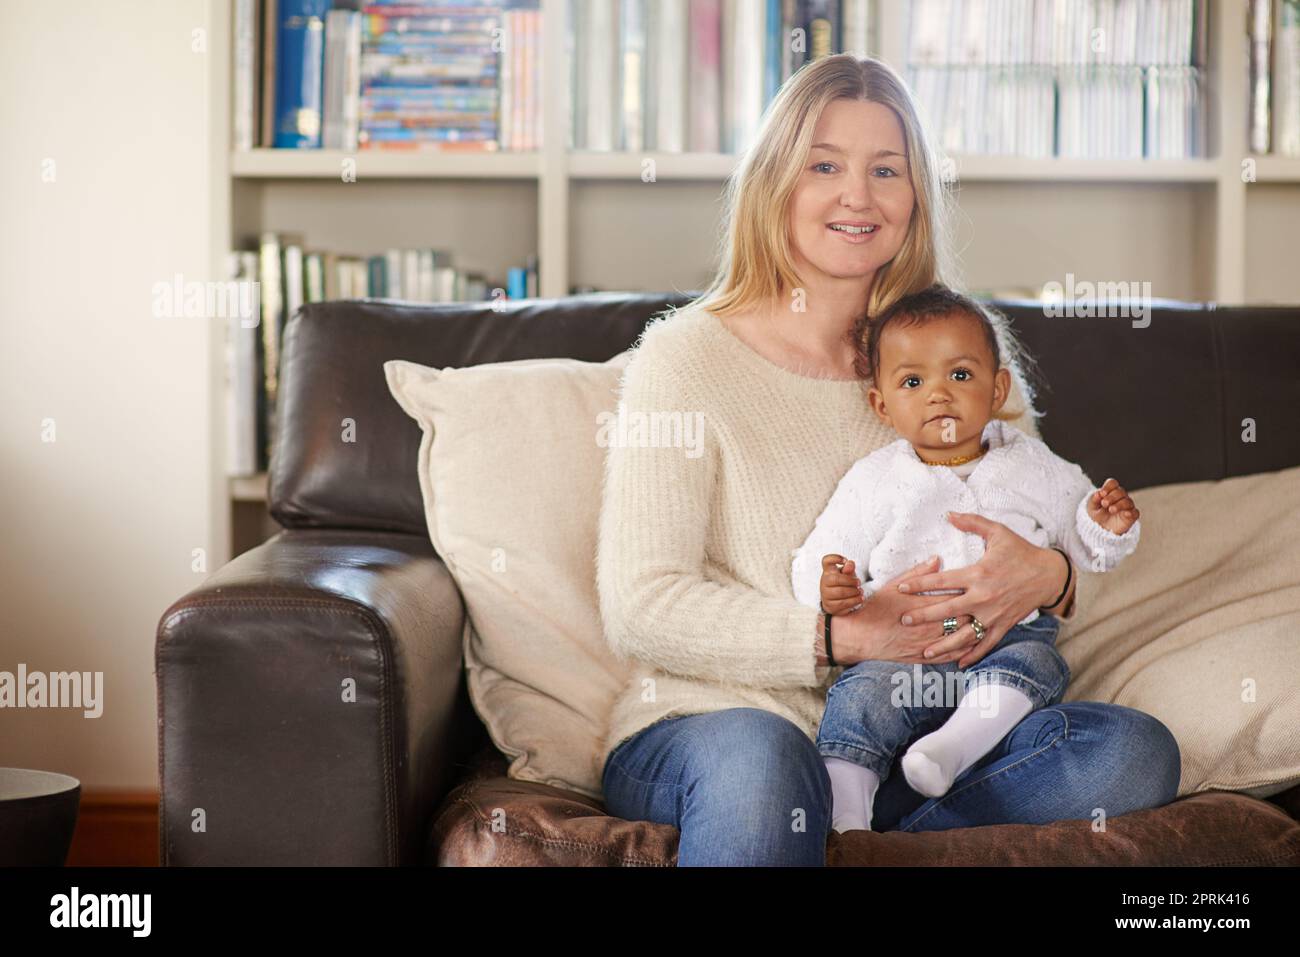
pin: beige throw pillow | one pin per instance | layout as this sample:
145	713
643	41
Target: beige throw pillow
1200	627
510	471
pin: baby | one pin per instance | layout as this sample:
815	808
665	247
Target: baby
933	361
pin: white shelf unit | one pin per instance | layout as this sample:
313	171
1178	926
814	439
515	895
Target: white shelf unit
1195	228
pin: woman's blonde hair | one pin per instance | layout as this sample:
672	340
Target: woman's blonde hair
756	264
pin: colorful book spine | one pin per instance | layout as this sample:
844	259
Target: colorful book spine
300	53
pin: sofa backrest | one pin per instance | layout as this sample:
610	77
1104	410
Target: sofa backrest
1163	401
331	369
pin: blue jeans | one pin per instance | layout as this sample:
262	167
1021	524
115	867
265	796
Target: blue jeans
747	787
876	708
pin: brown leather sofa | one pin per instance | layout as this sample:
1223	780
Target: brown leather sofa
251	723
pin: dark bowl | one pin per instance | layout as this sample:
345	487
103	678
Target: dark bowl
38	812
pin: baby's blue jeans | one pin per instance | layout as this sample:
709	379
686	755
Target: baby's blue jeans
875	709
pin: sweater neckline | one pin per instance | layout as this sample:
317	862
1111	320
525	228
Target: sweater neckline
771	369
995	433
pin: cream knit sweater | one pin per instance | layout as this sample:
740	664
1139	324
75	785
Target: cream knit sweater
694	550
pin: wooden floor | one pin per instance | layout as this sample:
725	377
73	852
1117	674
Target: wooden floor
116	829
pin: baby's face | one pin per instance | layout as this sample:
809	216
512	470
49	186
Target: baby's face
937	387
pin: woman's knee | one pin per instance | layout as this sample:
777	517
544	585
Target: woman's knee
759	738
1134	761
752	756
755	792
1153	755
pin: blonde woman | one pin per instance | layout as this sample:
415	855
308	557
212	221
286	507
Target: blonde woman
835	213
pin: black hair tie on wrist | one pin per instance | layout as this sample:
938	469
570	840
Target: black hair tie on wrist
1069	577
830	655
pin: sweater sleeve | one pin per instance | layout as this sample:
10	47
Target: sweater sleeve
1091	547
656	602
843	528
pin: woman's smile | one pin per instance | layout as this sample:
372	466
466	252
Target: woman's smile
853	237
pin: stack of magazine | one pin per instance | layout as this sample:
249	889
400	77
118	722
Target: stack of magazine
1095	79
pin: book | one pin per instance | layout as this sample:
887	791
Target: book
705	81
341	97
823	18
743	26
666	102
1286	112
1261	40
598	116
300	50
267	67
632	76
242	380
856	26
272	316
244	96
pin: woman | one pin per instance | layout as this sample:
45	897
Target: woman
835	212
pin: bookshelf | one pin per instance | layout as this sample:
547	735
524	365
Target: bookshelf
1194	228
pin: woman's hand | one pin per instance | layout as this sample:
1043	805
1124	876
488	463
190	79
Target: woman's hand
875	630
1012	579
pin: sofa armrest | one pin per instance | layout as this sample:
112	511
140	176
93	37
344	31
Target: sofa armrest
310	705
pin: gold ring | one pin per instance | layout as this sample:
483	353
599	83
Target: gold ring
978	626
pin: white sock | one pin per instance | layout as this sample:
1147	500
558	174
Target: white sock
853	792
981	719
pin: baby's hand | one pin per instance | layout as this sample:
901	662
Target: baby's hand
841	591
1111	508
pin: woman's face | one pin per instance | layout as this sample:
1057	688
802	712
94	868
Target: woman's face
855	174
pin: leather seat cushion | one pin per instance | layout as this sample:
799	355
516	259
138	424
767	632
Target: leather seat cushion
492	820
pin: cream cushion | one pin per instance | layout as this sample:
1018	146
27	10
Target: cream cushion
510	472
1200	627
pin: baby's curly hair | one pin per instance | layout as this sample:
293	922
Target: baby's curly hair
936	302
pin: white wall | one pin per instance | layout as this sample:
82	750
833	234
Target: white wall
97	527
